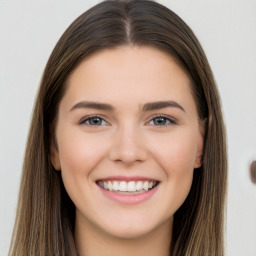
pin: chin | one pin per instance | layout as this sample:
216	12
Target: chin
130	232
134	229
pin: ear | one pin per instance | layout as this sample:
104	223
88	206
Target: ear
200	145
54	155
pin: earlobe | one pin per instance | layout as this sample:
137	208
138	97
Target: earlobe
198	161
54	157
200	145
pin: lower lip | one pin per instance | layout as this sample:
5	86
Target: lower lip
129	199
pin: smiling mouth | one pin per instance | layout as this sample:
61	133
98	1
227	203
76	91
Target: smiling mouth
131	187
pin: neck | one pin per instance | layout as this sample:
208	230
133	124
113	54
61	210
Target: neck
91	241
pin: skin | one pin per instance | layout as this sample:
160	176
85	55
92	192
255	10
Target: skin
127	142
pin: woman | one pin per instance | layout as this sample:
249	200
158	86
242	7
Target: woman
126	151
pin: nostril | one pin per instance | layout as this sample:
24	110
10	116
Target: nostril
128	156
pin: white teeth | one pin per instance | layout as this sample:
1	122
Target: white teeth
131	186
139	186
115	186
123	186
145	185
109	186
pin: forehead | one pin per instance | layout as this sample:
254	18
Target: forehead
125	74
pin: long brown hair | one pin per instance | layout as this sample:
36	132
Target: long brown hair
45	214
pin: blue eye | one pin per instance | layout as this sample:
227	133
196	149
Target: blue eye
94	121
161	121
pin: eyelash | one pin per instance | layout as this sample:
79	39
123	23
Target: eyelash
167	119
84	120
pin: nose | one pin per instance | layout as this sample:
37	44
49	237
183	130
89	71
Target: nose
128	146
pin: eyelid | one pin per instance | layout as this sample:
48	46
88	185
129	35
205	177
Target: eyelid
173	121
85	118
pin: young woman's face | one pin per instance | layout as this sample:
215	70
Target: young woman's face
128	140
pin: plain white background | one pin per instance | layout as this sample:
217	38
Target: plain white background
29	30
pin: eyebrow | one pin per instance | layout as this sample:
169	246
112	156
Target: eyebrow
147	107
94	105
162	104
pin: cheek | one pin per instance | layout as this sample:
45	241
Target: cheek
176	156
79	155
176	153
80	152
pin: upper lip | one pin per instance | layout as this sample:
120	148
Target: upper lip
128	178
